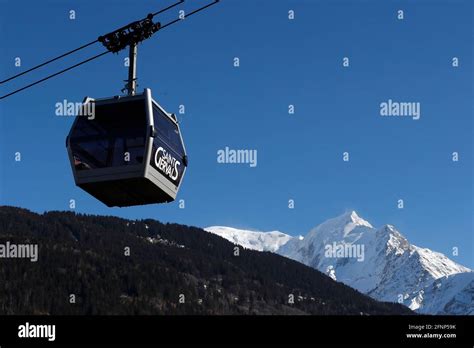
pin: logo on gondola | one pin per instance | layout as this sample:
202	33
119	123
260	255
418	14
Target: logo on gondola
167	163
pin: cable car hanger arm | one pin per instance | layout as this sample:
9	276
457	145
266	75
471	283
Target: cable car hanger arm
143	29
78	49
103	53
133	33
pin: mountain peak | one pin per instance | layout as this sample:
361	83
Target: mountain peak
338	227
382	264
352	217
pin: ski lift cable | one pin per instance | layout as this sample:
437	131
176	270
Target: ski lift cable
167	8
79	48
53	75
190	14
48	61
103	53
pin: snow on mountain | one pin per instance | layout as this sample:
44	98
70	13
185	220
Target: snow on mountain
380	262
453	294
261	241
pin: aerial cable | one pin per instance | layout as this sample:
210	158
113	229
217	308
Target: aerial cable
53	75
78	49
48	61
167	8
145	28
191	13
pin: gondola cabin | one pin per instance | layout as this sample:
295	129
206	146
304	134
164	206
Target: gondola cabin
128	151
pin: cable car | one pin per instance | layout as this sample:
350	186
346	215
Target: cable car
128	152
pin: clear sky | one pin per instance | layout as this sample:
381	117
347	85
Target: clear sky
282	62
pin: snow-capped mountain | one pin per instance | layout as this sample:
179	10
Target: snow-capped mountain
261	241
453	294
377	261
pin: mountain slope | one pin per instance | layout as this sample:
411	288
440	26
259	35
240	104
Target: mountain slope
453	294
389	267
118	266
260	241
377	261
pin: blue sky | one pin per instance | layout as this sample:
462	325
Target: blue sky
282	62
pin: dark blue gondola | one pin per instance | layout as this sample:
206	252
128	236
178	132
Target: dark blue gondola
130	152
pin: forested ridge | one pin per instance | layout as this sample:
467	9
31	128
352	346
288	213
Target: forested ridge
171	269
